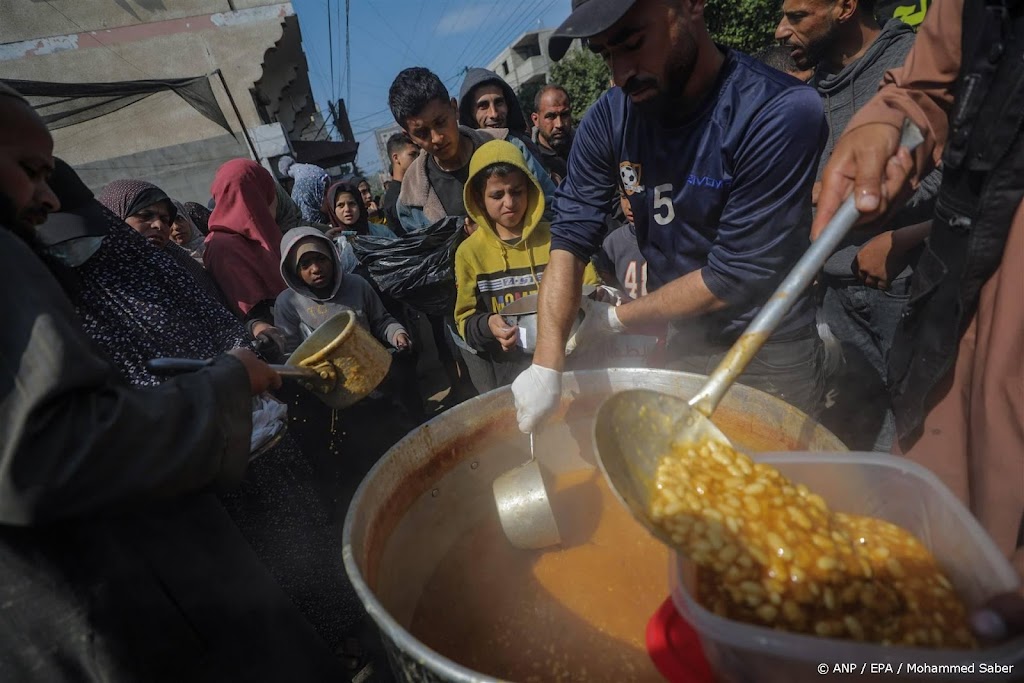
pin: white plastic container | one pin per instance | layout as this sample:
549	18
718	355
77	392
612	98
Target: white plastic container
901	492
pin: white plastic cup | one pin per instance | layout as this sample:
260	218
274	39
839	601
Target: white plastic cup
901	492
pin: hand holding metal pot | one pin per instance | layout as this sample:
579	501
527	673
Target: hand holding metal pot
261	376
505	333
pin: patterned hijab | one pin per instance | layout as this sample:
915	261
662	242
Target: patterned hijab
308	191
200	216
137	304
126	197
195	241
243	248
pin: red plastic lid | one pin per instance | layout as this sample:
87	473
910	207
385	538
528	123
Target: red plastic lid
675	649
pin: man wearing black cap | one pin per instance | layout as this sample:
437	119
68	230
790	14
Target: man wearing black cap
717	154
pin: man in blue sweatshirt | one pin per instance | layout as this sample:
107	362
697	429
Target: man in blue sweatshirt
866	283
717	153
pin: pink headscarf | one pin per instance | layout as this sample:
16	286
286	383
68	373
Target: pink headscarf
243	247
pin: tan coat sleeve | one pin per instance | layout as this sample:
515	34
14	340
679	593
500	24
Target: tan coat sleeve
922	89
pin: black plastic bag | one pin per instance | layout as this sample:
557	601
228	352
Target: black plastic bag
417	269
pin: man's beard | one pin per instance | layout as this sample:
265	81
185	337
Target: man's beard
816	51
560	144
678	70
19	225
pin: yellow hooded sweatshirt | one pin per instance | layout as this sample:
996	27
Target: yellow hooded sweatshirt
489	273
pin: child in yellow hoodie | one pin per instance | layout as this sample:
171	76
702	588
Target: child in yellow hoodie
503	260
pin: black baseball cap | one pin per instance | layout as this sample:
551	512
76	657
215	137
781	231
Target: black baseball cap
588	18
80	214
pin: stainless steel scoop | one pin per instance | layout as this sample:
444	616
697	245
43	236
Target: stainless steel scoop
520	495
634	429
524	508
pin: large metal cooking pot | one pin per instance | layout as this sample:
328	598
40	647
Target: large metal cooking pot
435	485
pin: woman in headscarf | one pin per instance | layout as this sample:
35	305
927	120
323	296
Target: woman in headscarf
243	248
150	212
135	300
346	210
137	304
288	215
344	206
185	234
149	207
373	212
200	216
307	190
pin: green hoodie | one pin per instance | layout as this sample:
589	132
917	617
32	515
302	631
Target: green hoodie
490	273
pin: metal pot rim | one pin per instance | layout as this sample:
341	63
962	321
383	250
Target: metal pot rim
394	631
403	639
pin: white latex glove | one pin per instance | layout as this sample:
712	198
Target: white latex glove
599	320
609	295
537	392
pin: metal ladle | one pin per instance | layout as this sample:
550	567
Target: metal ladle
635	429
524	508
520	495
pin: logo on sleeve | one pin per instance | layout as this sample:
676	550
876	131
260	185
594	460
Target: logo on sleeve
630	174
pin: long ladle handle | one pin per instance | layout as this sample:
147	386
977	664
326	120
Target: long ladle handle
771	314
177	366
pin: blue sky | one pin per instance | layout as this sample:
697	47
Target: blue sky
388	35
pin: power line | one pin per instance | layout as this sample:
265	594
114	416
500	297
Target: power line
319	69
348	54
501	35
408	44
330	47
387	110
316	67
475	42
433	32
324	124
480	35
341	72
514	30
522	27
370	116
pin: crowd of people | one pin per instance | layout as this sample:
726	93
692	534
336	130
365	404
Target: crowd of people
146	533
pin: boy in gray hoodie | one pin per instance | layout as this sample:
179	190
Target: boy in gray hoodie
319	289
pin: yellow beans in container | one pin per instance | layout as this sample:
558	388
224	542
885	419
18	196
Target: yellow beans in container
770	552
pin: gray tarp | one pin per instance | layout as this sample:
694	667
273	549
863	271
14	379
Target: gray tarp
65	104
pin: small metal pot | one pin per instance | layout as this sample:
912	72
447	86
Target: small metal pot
523	314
